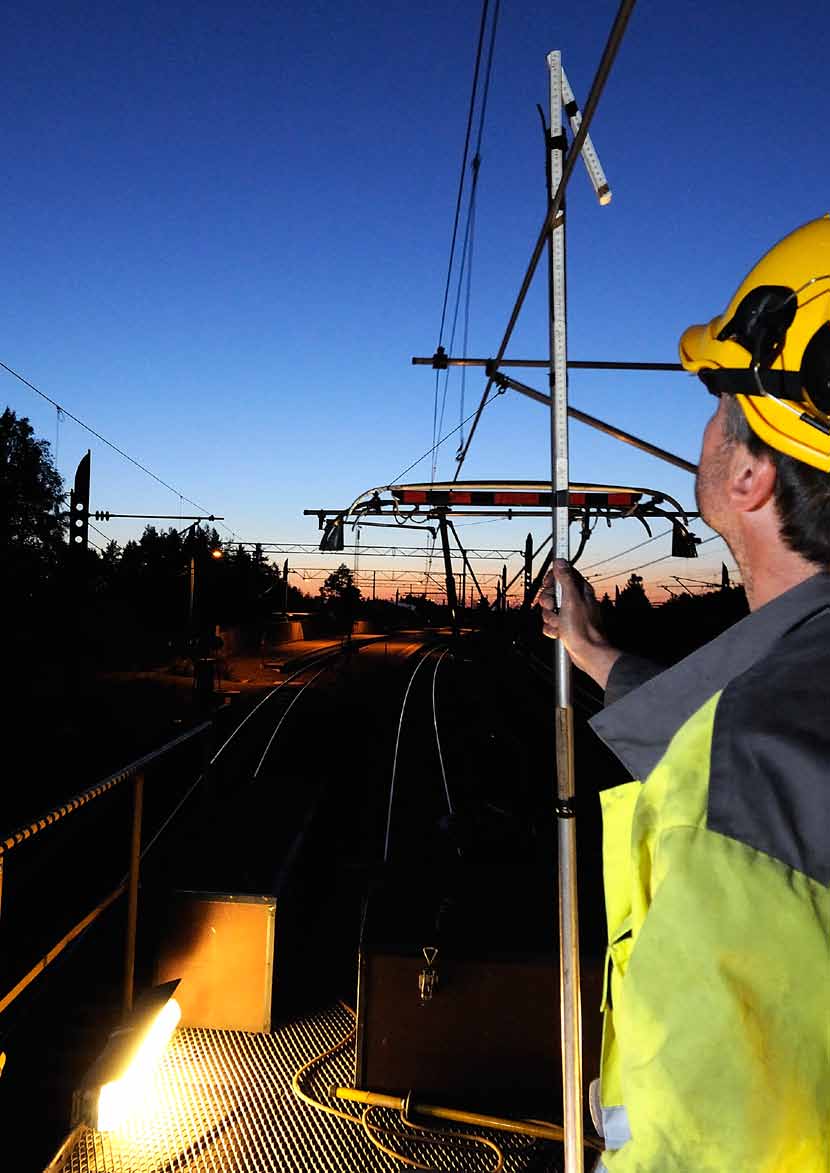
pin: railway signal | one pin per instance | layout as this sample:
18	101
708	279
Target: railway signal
79	506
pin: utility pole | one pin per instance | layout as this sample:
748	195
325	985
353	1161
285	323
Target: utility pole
452	600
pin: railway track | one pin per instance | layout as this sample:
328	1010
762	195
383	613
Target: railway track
410	762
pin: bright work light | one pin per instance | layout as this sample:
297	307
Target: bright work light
118	1079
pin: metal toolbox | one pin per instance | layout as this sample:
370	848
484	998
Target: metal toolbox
221	946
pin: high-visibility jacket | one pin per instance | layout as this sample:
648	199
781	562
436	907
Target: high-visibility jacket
716	1048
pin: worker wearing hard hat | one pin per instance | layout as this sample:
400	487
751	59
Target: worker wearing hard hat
716	1049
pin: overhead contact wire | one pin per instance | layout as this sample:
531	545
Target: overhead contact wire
468	132
456	219
603	70
622	553
103	439
643	565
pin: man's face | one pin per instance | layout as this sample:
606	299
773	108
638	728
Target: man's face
714	467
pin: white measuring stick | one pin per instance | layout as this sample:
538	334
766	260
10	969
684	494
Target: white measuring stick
571	1011
588	154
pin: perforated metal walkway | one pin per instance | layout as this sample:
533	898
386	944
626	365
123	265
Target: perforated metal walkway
222	1102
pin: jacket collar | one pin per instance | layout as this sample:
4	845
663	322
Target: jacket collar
639	726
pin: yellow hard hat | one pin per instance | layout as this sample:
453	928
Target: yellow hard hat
771	346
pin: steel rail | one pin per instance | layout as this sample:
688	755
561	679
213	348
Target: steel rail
435	727
418	666
325	654
129	885
603	70
285	713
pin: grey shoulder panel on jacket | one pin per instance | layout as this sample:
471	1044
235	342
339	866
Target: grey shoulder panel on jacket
769	783
628	673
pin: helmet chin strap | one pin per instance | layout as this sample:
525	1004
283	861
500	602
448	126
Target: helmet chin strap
755	365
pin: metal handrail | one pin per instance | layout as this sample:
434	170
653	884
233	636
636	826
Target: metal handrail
57	813
133	772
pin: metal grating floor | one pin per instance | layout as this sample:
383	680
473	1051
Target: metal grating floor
222	1103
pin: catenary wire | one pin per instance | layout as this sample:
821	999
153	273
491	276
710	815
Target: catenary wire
443	440
603	70
643	565
104	440
466	254
454	238
469	231
622	553
467	135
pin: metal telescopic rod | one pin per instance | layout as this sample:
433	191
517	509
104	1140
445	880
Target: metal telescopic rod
566	828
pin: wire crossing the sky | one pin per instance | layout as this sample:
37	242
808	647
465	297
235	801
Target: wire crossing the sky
63	411
437	422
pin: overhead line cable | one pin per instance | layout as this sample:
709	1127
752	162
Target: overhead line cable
443	440
470	113
629	550
469	231
603	70
104	440
643	565
436	427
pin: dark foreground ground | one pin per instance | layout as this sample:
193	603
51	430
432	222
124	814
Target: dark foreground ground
310	829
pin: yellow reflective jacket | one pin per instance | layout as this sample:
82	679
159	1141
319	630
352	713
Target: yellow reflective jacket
716	1048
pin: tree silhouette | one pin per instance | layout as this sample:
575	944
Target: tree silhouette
340	591
32	524
633	599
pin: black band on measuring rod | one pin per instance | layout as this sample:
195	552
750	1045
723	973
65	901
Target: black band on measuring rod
564	808
571	108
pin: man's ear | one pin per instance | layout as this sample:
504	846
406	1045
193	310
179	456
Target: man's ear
752	480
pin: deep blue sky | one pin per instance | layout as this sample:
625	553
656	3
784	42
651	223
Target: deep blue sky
225	231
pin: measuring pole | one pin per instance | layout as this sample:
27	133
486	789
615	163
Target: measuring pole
571	1011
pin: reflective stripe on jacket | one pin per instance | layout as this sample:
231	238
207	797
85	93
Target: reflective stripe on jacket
716	1047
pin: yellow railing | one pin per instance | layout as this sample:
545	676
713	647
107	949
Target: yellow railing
134	773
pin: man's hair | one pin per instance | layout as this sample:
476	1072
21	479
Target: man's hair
802	493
